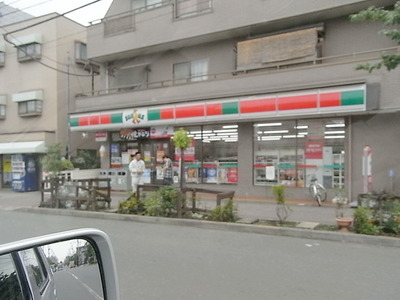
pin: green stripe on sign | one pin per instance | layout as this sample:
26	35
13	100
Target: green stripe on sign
154	114
73	122
116	118
230	108
352	97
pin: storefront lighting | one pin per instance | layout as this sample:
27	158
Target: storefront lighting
225	130
276	131
334	137
271	138
335	132
335	125
290	136
230	126
267	124
301	127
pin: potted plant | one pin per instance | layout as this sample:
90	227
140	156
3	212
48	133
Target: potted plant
342	221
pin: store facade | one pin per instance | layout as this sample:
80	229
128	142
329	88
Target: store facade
243	143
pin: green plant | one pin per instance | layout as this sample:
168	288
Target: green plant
391	224
53	162
182	141
340	201
162	203
226	213
131	206
282	209
363	221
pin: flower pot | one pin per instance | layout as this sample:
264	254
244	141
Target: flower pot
344	223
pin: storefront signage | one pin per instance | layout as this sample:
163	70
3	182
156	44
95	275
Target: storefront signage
344	99
134	134
134	116
101	136
161	132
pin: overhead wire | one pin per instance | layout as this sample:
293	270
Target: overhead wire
5	36
22	9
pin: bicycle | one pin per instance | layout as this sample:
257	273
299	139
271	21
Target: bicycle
317	191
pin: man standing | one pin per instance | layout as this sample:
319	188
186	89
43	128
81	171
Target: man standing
167	171
136	167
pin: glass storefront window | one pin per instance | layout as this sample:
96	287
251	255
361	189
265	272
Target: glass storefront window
292	152
215	154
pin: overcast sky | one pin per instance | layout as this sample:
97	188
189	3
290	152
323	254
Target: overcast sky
84	16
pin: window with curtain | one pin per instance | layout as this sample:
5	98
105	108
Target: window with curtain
196	70
185	8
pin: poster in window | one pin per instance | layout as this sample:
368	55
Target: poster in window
232	175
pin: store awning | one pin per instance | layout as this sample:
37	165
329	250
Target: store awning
22	147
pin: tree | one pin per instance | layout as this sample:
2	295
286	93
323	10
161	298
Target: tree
389	18
53	162
181	141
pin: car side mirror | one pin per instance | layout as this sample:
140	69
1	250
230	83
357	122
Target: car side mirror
76	264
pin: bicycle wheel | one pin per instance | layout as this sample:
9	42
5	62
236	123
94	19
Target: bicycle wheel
321	192
318	199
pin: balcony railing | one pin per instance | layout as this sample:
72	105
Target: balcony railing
353	58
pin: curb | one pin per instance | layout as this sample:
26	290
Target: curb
236	227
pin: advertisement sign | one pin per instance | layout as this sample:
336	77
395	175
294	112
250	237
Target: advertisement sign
101	136
134	134
161	132
314	150
188	153
232	175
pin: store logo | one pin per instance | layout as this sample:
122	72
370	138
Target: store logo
136	117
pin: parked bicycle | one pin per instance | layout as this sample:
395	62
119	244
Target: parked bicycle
317	191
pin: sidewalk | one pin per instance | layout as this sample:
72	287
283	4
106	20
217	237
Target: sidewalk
248	209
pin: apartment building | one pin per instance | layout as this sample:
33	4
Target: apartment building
42	65
268	91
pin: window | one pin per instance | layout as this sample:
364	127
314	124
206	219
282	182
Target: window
185	8
139	5
9	283
2	58
35	269
31	107
2	111
29	52
3	103
80	53
292	152
195	70
132	77
212	157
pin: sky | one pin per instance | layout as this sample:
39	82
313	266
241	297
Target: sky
83	16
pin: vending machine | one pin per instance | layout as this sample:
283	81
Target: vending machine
24	173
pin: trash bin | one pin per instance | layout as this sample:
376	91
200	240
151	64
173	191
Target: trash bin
112	174
103	174
123	180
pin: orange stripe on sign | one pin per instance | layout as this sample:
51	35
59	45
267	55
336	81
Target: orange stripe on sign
83	121
189	111
298	102
329	99
167	113
259	105
214	109
105	119
94	120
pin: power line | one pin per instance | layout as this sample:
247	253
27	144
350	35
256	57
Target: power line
5	36
22	9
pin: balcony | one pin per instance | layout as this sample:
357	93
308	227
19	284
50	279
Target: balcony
159	28
325	71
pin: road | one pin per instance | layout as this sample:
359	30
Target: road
174	262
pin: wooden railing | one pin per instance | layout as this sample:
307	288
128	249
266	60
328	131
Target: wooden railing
84	191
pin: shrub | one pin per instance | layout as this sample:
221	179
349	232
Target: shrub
131	206
226	213
162	203
363	222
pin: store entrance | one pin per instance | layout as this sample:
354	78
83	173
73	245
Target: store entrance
153	151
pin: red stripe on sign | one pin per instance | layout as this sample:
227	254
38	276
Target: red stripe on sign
94	120
214	109
259	105
298	102
329	99
83	121
189	111
105	119
167	113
